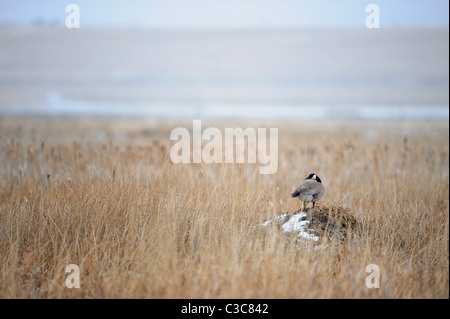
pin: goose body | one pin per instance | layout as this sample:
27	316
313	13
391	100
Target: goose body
311	190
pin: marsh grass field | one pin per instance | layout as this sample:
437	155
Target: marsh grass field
103	194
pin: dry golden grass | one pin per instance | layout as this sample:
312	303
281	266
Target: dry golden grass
104	194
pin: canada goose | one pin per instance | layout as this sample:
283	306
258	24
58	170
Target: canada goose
311	190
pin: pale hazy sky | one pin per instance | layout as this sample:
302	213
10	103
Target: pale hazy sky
226	14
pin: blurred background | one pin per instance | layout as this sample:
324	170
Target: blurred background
225	58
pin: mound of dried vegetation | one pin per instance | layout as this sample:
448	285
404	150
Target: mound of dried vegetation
319	224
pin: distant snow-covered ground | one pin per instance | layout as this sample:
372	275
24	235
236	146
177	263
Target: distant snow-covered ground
254	74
